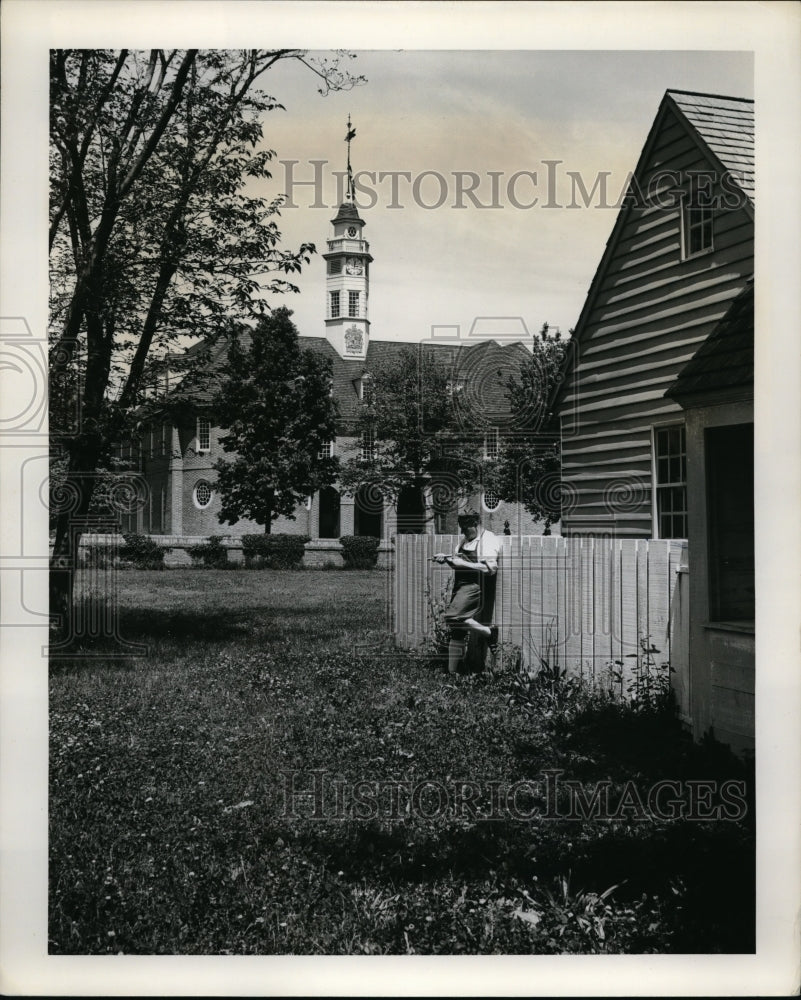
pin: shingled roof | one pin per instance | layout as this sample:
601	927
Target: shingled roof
725	360
485	364
726	126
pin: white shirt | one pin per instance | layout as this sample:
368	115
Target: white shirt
488	546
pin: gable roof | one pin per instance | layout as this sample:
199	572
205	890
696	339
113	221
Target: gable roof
725	360
723	130
726	126
485	362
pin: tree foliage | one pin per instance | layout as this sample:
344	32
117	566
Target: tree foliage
275	404
157	227
527	470
413	426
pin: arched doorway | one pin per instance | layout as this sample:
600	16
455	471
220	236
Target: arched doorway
368	510
328	513
411	511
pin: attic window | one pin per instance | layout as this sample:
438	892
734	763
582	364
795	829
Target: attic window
697	224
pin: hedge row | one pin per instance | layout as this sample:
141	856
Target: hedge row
260	552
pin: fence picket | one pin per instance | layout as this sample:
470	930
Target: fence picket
600	595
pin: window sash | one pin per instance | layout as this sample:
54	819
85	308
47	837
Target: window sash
353	304
334	305
203	434
670	481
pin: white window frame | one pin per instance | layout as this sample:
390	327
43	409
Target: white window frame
199	447
326	450
485	505
334	300
195	501
353	301
655	484
492	435
367	446
364	380
688	227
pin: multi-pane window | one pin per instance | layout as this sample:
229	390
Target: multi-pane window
671	482
326	450
492	443
367	449
334	305
202	494
203	434
491	499
697	217
353	303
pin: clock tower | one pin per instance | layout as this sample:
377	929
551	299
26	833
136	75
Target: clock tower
347	289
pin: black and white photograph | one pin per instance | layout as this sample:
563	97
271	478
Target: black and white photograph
400	439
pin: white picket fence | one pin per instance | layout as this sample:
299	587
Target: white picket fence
586	601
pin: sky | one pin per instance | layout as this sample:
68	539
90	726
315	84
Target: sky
434	114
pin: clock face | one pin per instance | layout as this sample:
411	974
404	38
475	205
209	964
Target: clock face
352	230
353	266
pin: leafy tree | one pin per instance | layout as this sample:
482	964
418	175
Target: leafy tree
416	438
155	232
527	470
275	403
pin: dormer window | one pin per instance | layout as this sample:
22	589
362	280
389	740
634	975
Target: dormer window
364	383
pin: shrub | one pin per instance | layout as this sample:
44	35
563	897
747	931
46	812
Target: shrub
142	551
96	556
359	551
274	551
212	554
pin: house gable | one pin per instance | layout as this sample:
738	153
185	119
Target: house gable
649	307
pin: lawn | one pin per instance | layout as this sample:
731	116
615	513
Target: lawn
174	829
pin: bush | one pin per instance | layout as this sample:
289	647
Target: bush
359	551
212	554
274	551
142	551
96	556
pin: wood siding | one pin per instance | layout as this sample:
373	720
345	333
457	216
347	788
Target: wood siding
647	313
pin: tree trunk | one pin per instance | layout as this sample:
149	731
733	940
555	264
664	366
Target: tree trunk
76	492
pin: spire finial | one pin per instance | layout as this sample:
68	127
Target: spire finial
351	132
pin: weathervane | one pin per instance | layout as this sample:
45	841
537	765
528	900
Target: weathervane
350	134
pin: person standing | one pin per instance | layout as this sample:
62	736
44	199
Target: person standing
475	564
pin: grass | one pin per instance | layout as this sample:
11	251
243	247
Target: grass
169	832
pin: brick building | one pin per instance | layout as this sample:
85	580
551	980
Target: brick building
176	459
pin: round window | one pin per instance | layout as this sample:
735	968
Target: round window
491	500
203	494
